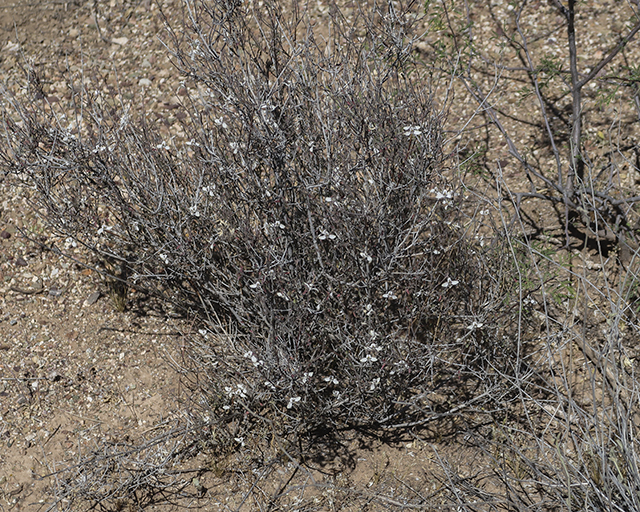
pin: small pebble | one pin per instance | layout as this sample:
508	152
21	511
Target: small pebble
5	234
21	262
92	299
55	292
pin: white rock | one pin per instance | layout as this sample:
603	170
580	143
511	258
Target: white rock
144	82
11	47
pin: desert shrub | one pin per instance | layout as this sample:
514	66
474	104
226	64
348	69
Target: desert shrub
304	219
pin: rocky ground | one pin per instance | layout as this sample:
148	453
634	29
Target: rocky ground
75	371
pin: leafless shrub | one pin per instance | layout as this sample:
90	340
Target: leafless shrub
126	476
305	221
532	76
570	443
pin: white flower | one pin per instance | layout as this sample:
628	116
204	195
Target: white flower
475	325
163	257
412	130
450	283
306	376
254	286
331	380
282	296
239	440
390	295
366	257
241	391
324	235
293	400
369	359
374	383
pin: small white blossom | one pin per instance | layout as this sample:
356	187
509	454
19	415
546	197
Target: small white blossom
336	394
369	359
293	400
331	380
241	391
306	376
366	257
475	325
450	283
282	296
324	235
239	440
163	257
390	296
412	130
209	190
374	383
446	194
220	122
